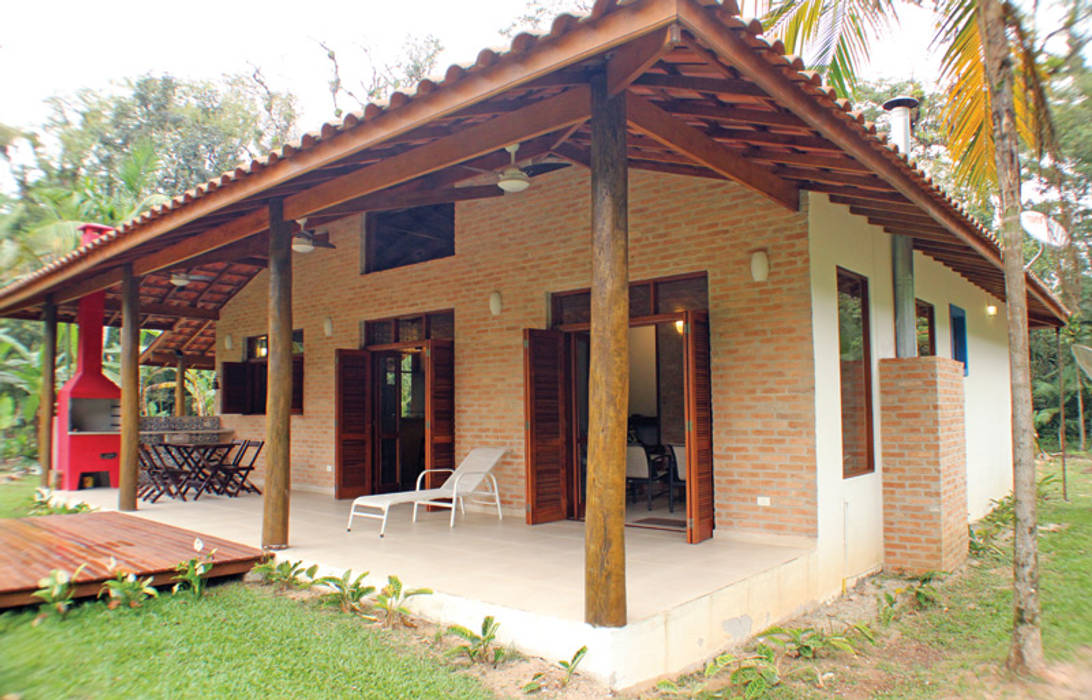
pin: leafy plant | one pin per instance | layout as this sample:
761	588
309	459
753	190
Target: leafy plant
125	589
346	592
391	602
479	647
287	574
43	505
56	593
808	643
923	594
569	667
192	572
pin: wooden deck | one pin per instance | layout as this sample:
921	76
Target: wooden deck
31	547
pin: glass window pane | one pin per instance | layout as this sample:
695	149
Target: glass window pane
411	329
689	294
379	332
572	308
640	300
926	329
855	373
441	325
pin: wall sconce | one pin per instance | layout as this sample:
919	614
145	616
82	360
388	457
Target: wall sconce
991	309
328	326
680	326
760	266
229	342
496	304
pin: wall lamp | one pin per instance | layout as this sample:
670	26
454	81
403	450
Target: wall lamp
760	266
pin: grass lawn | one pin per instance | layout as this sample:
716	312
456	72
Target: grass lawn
238	641
16	496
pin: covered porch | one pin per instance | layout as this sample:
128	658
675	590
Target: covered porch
532	579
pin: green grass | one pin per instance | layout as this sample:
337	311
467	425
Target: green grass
238	642
16	496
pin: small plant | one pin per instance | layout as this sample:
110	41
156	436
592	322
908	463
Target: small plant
923	594
479	647
537	683
391	602
287	574
569	667
56	593
346	592
888	606
125	589
808	643
43	504
192	572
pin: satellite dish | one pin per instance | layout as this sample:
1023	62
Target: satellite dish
1044	229
1083	355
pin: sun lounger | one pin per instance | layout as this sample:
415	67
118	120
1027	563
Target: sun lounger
465	482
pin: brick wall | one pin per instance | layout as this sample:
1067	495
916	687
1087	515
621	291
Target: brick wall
924	464
528	245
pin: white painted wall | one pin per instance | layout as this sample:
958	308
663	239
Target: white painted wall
851	510
986	387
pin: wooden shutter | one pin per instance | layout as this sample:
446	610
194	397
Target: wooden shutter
544	402
439	408
234	387
297	384
699	430
257	376
353	430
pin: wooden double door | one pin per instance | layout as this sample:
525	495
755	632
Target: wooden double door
395	416
556	423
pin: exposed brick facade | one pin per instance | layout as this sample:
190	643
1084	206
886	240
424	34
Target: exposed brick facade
924	464
528	245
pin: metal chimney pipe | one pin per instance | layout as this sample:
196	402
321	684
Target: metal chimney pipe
902	247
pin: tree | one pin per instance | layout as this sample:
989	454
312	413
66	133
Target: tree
994	83
418	61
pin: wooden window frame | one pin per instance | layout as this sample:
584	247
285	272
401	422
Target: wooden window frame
923	309
397	343
650	319
369	246
252	401
866	349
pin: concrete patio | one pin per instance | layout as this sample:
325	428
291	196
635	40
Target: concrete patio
686	602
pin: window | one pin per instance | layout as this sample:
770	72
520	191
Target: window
407	236
959	335
245	383
855	374
669	295
927	341
435	325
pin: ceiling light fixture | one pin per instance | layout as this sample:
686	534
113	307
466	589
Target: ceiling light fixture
305	241
180	279
512	179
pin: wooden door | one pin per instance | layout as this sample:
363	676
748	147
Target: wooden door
699	429
544	430
353	429
439	408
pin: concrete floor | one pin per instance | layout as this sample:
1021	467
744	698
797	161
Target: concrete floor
537	569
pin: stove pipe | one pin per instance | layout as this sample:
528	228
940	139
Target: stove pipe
901	126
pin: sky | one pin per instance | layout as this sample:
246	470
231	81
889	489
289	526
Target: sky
51	47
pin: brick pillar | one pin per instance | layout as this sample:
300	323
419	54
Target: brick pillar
924	464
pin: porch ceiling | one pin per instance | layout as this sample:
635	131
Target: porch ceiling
706	97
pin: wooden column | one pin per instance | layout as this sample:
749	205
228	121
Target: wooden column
47	396
906	313
130	390
180	387
278	402
608	402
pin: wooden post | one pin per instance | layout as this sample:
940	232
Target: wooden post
608	400
906	313
1061	410
47	396
180	387
130	390
278	402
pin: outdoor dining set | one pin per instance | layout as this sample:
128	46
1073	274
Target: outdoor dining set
189	470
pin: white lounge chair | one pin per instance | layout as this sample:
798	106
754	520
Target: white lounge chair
463	483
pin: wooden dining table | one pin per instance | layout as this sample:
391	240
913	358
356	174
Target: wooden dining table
202	463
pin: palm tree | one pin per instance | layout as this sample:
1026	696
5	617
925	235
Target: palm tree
994	86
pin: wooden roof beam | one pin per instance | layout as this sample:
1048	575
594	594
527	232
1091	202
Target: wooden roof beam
632	60
168	310
663	127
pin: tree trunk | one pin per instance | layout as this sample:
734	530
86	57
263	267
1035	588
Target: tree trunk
278	403
1026	652
48	394
608	383
1080	410
130	391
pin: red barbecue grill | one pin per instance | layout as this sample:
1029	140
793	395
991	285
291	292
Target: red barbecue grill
88	423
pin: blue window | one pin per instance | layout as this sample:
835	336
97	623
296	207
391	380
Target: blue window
959	335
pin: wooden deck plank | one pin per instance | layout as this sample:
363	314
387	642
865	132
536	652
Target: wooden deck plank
32	547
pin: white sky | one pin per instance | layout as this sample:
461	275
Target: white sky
51	47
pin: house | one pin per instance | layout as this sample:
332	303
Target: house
713	295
